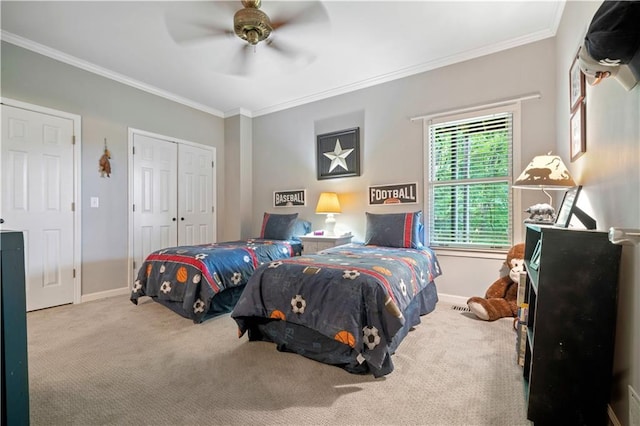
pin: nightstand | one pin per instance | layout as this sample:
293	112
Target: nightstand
314	243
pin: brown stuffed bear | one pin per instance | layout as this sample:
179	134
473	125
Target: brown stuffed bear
501	298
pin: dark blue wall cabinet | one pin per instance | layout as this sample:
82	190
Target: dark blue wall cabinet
13	346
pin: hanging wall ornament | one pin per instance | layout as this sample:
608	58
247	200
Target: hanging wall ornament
104	164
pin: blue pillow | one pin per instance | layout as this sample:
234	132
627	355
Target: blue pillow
278	226
394	229
301	227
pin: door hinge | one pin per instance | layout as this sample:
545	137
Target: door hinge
213	209
134	265
133	150
74	272
73	207
213	164
73	140
134	207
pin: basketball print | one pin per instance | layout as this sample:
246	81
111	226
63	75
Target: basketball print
345	337
276	314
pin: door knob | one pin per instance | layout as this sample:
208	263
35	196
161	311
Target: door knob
173	219
182	218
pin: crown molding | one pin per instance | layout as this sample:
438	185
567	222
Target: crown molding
407	72
95	69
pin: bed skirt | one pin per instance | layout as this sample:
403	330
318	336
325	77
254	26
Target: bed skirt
222	303
313	345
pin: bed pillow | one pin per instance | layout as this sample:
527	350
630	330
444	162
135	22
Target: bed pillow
278	226
394	229
301	227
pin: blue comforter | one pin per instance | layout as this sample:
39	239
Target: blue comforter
356	295
187	278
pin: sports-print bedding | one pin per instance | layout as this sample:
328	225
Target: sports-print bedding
203	281
348	306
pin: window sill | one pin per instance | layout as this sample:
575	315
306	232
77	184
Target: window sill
482	254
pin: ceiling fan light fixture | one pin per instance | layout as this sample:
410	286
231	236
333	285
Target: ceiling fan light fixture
252	25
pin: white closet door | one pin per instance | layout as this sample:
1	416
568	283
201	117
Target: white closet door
196	216
37	196
154	195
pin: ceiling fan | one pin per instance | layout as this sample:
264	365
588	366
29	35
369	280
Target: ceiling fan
250	24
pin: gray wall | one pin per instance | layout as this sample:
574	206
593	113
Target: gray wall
239	174
107	109
610	173
392	145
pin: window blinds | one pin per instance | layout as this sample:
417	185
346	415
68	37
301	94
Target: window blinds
469	182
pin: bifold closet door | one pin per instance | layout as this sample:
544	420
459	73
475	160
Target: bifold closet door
155	214
195	195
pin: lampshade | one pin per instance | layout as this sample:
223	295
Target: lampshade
545	172
328	203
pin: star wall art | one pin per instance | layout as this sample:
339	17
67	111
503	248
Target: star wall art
338	154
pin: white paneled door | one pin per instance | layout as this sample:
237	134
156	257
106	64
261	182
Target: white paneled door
195	195
37	199
155	195
173	194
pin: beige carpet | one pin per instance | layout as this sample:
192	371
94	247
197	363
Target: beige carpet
109	362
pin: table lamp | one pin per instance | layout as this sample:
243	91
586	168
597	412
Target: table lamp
328	204
544	172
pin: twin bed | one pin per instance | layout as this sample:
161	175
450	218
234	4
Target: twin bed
203	281
348	306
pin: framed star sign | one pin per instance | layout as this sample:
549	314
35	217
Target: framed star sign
338	154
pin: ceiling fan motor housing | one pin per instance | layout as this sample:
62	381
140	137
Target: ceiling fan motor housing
252	25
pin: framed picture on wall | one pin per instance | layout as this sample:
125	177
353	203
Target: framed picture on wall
576	84
338	154
290	198
402	193
577	128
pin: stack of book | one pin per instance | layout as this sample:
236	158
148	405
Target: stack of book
521	320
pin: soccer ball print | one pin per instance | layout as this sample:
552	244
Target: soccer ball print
371	337
298	304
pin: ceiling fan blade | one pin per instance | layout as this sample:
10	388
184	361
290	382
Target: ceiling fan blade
282	48
313	12
296	57
189	23
199	33
241	61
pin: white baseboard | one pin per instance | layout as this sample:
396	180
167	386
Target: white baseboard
104	294
454	300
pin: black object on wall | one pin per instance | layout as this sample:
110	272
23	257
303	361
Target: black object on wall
612	43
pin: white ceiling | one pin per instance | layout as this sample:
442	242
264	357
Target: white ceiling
359	44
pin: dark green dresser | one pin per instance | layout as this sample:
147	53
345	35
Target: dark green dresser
13	345
572	290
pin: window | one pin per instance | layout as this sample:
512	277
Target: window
468	180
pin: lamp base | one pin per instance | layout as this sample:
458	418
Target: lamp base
541	213
330	224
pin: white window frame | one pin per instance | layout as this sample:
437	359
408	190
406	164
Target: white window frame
516	228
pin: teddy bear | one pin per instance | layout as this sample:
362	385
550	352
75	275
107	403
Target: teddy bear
500	300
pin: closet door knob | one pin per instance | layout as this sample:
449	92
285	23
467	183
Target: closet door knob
173	219
182	218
